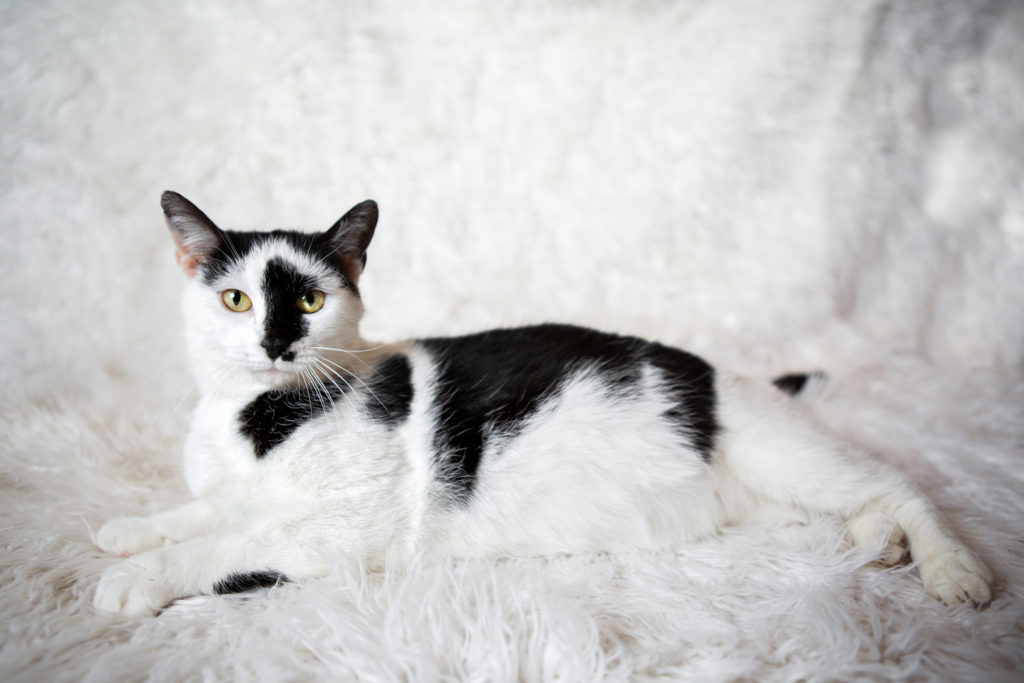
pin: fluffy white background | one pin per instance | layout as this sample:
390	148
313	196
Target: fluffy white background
777	186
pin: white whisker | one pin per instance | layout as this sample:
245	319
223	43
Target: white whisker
354	376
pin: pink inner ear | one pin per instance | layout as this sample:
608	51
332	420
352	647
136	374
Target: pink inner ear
187	261
353	268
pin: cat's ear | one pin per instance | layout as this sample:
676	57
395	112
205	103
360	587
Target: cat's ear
195	236
350	237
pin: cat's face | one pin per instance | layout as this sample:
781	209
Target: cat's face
274	309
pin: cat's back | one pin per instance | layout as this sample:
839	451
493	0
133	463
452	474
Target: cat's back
494	383
568	422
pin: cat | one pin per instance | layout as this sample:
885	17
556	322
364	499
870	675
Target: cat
310	444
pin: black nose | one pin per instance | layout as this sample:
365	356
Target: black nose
276	348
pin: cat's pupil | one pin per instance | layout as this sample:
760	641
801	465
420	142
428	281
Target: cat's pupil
236	297
308	298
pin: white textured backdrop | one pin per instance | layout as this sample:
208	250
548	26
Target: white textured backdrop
777	186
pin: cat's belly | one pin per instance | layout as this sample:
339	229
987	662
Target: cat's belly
588	475
589	513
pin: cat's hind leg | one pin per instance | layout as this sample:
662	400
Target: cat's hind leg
877	531
770	446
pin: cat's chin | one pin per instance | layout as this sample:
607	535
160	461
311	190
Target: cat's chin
276	378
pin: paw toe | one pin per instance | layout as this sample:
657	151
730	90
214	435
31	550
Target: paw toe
957	578
128	589
128	536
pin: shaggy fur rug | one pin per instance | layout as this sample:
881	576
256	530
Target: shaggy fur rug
776	186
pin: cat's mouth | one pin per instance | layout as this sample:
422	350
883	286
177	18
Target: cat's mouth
275	372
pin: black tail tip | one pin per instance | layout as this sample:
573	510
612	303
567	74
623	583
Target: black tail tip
794	382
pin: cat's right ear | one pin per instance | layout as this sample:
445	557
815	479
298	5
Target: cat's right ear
195	236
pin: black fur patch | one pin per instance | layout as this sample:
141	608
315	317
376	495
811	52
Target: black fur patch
691	382
794	382
389	390
491	382
273	415
243	583
239	244
284	323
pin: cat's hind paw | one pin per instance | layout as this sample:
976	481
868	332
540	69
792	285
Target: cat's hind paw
127	536
957	577
876	531
131	588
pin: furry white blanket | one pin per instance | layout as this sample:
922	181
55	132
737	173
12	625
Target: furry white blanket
777	186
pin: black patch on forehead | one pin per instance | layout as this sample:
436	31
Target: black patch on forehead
239	244
285	323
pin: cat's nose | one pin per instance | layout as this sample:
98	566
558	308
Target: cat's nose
277	349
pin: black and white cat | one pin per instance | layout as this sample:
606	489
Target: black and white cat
309	444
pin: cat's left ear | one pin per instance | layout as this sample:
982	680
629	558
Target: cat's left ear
195	236
350	237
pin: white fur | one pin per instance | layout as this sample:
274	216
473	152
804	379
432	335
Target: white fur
776	186
590	471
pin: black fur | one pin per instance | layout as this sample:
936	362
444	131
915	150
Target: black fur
793	383
389	390
243	583
691	382
238	244
492	381
285	322
273	415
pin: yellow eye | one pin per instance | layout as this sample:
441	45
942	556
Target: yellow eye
311	302
236	300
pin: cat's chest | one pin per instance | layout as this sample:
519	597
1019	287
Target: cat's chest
269	419
217	448
232	439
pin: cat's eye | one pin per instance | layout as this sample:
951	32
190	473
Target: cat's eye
236	300
311	302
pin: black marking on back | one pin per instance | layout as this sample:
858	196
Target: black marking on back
245	582
273	416
389	390
794	382
491	382
284	322
238	244
690	381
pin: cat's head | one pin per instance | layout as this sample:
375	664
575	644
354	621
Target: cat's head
270	309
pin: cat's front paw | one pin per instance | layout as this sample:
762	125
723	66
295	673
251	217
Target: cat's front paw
956	577
129	536
133	588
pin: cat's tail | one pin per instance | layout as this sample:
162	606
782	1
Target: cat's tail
800	383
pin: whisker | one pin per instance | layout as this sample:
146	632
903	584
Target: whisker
323	387
312	380
319	363
354	354
332	374
354	376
